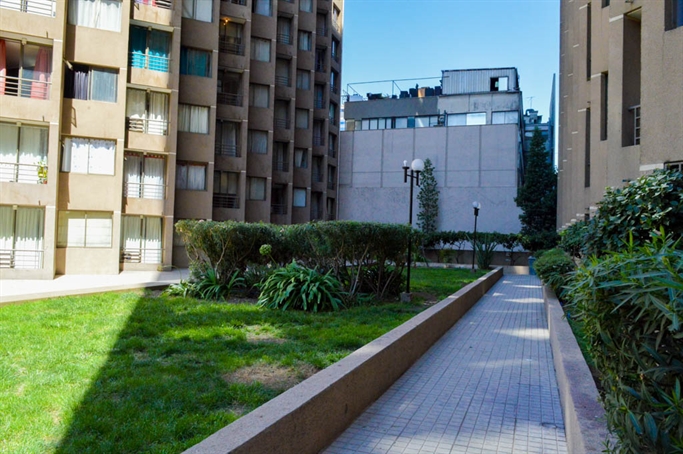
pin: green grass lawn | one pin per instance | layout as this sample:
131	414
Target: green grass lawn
133	372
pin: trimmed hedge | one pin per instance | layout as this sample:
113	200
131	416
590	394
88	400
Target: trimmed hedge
553	268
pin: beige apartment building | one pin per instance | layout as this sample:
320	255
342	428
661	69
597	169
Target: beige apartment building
621	97
118	118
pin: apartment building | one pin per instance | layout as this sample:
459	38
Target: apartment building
621	97
470	126
118	118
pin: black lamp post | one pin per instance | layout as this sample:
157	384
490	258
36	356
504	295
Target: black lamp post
476	206
415	168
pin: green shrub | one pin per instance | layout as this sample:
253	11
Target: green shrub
553	268
631	305
209	287
573	238
296	287
540	241
485	248
184	288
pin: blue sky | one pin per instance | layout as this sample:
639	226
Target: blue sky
401	39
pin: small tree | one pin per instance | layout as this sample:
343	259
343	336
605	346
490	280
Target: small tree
429	200
537	197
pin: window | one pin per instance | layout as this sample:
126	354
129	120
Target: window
263	7
401	122
144	176
305	40
39	7
147	111
605	3
282	72
190	176
149	49
102	14
334	81
318	133
90	83
306	5
299	197
301	119
604	86
303	79
260	49
141	239
225	189
425	121
469	119
198	9
330	209
257	188
23	153
193	118
510	117
321	25
589	38
281	156
320	60
229	88
333	113
319	96
301	158
317	171
91	229
227	138
336	13
676	166
587	151
673	12
278	199
336	49
499	84
195	62
284	30
28	69
230	36
281	115
21	237
332	145
257	141
90	156
259	95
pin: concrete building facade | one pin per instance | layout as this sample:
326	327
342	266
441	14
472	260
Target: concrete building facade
119	118
470	127
621	97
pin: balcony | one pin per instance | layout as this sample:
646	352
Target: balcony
227	149
278	208
330	185
281	123
281	165
230	99
163	4
318	141
141	255
319	67
331	152
231	45
39	7
147	126
12	172
319	103
317	176
21	258
316	214
27	88
144	191
284	38
283	81
226	201
336	57
151	62
321	31
334	89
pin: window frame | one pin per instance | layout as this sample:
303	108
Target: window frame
68	161
63	240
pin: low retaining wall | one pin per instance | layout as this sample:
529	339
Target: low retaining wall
584	416
311	415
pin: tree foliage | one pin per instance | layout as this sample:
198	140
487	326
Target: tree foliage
537	197
429	200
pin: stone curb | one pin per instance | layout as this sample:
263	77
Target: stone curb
584	416
308	417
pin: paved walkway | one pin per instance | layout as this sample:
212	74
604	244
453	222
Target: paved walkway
487	386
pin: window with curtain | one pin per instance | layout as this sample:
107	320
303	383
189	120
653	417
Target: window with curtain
198	9
90	229
301	158
89	156
257	188
102	14
190	176
299	197
263	7
193	118
332	113
149	48
260	49
147	111
144	176
227	138
27	69
141	239
195	62
23	152
301	119
21	236
466	119
259	95
90	83
303	79
505	118
305	40
306	5
257	141
226	182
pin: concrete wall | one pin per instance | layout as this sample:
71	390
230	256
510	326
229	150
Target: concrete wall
471	163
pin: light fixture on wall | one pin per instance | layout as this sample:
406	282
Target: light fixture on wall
416	167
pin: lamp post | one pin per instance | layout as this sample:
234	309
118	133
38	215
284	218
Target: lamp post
476	205
415	168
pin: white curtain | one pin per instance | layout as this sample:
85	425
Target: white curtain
263	7
153	187
131	235
136	108
305	39
257	189
29	238
260	49
193	118
89	156
303	80
71	231
9	137
151	252
104	84
75	158
131	170
258	142
98	229
102	14
301	157
181	176
299	198
259	95
158	113
6	228
196	178
32	150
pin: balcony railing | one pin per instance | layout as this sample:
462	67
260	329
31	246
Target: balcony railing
320	67
39	7
334	89
317	176
231	99
141	255
226	200
231	45
21	258
12	172
147	126
321	31
319	103
318	141
281	165
144	191
284	38
278	208
27	87
281	123
163	4
227	149
283	81
636	124
151	62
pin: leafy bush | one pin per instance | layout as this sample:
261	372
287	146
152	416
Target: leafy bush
209	287
631	304
540	241
573	238
183	288
644	205
296	287
485	247
553	268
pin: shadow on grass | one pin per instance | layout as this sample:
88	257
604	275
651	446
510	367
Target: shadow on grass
163	386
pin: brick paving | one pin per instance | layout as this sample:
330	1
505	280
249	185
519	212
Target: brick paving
487	386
